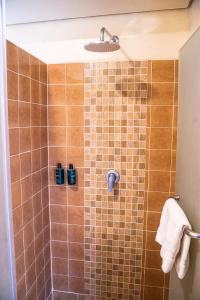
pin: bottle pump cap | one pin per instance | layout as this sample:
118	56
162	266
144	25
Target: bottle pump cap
71	166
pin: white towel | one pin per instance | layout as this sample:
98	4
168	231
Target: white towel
174	243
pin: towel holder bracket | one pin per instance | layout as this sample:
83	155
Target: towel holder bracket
186	230
176	197
192	234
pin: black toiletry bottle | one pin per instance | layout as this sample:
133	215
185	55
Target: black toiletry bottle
60	174
71	175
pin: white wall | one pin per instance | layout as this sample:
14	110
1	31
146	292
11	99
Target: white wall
7	259
194	16
188	162
155	35
23	11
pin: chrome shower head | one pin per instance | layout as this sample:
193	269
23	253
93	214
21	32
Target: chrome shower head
104	46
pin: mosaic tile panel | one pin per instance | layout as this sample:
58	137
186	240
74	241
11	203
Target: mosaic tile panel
115	116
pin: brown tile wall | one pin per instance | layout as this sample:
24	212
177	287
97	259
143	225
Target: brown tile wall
66	145
27	113
78	252
160	171
71	118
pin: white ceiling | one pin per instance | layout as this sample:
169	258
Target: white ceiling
148	35
26	11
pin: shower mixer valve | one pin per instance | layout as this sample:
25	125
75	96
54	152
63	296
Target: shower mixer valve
112	177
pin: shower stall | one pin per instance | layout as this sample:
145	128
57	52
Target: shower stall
106	123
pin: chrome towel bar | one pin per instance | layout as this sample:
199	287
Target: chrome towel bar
192	234
186	230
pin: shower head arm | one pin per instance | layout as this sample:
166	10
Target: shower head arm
113	38
104	45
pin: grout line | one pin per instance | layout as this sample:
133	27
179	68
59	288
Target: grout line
108	83
148	160
28	77
66	120
49	190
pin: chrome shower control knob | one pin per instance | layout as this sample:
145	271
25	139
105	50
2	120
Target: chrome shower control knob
112	177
